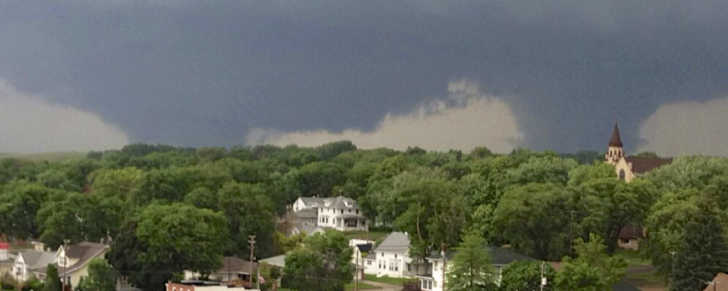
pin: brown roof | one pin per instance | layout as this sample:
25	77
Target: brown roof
642	165
722	283
615	141
84	252
630	232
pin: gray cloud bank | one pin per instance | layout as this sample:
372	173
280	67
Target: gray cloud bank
464	120
685	128
30	124
207	72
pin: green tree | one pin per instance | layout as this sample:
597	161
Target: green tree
526	275
101	277
323	263
52	282
592	270
471	268
20	201
703	252
530	218
249	211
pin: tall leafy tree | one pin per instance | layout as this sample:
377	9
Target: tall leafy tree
52	281
703	252
323	263
531	219
101	277
526	275
471	268
592	270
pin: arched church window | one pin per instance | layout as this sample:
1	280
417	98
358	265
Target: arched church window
621	174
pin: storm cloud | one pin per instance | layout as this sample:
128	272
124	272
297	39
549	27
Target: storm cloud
464	120
200	73
686	128
30	124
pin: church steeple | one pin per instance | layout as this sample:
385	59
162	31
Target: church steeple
614	149
616	140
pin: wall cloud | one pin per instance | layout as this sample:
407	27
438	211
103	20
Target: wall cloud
687	128
465	119
30	124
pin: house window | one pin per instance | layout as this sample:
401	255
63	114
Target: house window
621	174
342	211
395	256
409	267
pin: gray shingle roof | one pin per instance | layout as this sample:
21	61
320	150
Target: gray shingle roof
313	201
340	202
38	259
396	242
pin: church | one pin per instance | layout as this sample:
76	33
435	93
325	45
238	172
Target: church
628	168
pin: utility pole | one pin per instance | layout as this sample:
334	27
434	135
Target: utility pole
356	268
251	241
64	281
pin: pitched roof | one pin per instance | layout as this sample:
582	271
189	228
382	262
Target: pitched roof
340	202
642	165
235	265
396	242
630	232
615	140
721	281
278	261
83	252
312	201
37	259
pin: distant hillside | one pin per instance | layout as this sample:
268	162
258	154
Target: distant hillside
53	156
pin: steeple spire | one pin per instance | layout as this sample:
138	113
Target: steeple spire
615	141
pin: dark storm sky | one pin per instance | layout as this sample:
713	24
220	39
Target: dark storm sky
208	72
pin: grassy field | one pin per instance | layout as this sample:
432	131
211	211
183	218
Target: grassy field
348	287
362	286
640	272
53	156
385	279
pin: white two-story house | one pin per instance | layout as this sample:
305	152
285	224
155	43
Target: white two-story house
340	213
433	278
31	264
391	258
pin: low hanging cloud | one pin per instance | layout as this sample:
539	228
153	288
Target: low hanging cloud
464	120
687	128
30	124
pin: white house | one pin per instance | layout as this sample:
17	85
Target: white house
359	247
391	258
7	259
31	264
339	213
433	278
73	260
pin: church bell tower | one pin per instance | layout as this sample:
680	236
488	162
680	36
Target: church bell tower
614	151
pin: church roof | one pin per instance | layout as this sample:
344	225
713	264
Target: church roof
642	165
616	140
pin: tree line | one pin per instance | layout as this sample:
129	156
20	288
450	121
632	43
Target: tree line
167	209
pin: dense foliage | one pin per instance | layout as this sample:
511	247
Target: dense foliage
168	208
322	262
